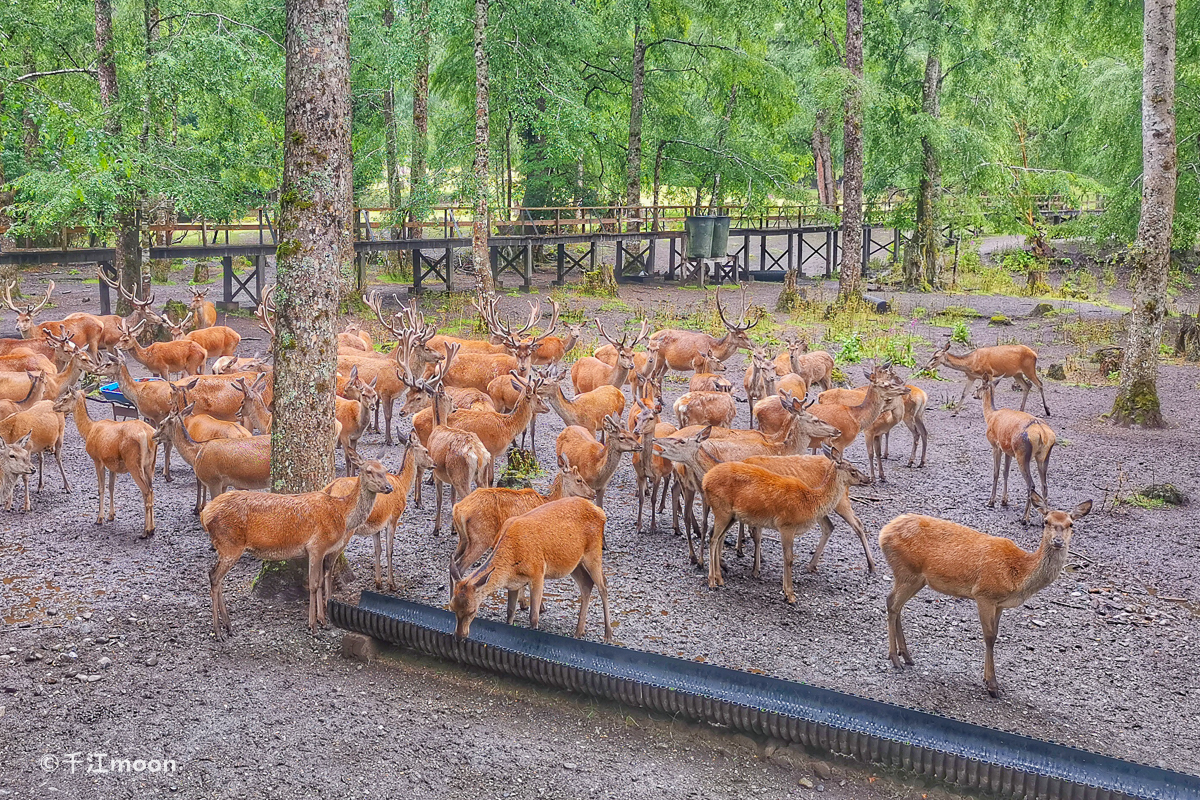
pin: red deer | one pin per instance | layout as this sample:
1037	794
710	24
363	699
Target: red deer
677	348
15	462
46	427
1015	434
590	372
218	463
1003	361
815	368
596	462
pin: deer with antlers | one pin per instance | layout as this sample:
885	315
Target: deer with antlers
591	372
523	349
203	311
677	348
141	313
1014	361
85	330
218	341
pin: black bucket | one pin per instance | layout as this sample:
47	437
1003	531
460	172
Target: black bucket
720	237
700	236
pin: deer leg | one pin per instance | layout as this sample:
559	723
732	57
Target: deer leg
756	535
378	537
787	536
1023	465
722	521
963	399
420	476
147	489
1041	390
1043	466
887	445
595	568
112	488
216	574
1007	468
61	471
41	471
513	595
391	542
641	493
536	586
924	440
995	474
316	568
1025	386
826	529
28	506
989	618
437	517
585	583
737	550
902	591
387	418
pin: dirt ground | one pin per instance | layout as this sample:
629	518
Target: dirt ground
109	644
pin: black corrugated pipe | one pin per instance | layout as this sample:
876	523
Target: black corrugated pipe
967	755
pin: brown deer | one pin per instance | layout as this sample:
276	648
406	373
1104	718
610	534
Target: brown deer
42	429
218	463
677	348
254	413
15	462
353	411
653	471
524	350
163	358
909	409
1015	434
705	408
591	372
588	409
218	341
230	364
43	347
1014	361
152	398
705	377
596	462
553	349
115	448
85	330
27	361
203	310
498	430
112	323
353	337
37	386
850	420
479	516
388	508
962	562
759	381
560	538
763	499
279	526
815	367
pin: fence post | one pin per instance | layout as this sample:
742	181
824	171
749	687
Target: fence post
527	257
449	269
562	262
416	265
105	298
227	283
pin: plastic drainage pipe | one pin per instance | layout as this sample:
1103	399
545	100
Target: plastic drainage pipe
968	755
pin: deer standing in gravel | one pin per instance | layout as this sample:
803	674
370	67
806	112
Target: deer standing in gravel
814	367
203	310
163	358
962	562
281	526
1015	434
591	372
1014	361
46	426
15	462
243	463
596	462
677	348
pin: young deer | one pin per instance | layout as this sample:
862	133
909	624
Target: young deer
553	349
115	448
218	341
705	408
909	409
254	414
560	538
588	409
1015	434
849	420
280	526
962	562
218	463
815	368
353	412
677	348
705	374
1014	361
163	358
764	499
596	462
15	462
46	427
479	516
759	381
36	381
591	372
388	508
203	310
497	430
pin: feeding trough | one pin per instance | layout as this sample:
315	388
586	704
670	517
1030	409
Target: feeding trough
122	406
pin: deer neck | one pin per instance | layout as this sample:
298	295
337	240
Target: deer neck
989	407
364	413
612	459
358	505
188	447
619	374
83	422
126	383
562	406
960	363
871	407
518	419
724	347
408	472
1045	565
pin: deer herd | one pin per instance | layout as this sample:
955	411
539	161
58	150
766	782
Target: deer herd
472	400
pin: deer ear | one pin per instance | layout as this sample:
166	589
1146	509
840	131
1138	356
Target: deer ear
1082	510
353	374
704	434
455	571
23	442
188	409
1039	503
563	464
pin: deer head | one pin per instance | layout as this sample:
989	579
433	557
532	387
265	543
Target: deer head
26	313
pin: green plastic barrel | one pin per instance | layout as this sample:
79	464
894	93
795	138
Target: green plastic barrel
720	237
699	236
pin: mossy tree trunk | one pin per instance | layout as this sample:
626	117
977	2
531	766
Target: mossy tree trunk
823	160
316	243
480	228
927	238
1137	400
850	273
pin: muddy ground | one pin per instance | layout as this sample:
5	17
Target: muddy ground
1104	658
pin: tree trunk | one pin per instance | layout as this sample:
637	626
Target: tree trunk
823	161
658	160
637	99
31	134
420	118
106	66
316	244
717	199
479	228
921	267
1137	397
850	274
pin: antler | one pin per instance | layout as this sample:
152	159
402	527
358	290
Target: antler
604	334
738	328
266	310
553	322
375	303
30	308
103	276
8	296
643	334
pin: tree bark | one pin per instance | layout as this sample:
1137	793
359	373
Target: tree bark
420	118
921	267
316	244
717	198
1137	400
106	66
479	228
850	274
823	161
637	99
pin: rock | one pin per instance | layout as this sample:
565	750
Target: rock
88	678
822	770
1056	372
1041	310
152	661
570	765
33	656
806	783
999	319
51	612
104	663
358	647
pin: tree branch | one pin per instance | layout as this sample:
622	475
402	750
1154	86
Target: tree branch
32	76
189	14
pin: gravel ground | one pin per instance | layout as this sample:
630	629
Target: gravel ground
1104	658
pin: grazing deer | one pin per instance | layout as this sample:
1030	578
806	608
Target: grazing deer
677	348
218	341
163	358
560	538
764	499
759	381
279	526
388	508
588	409
591	372
1014	361
962	562
46	427
705	408
596	462
1015	434
815	367
15	462
849	420
218	463
115	448
479	516
203	310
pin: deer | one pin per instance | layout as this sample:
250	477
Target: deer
769	413
26	361
498	430
759	381
151	398
37	385
279	526
84	330
353	337
590	372
677	348
163	358
40	346
761	498
203	311
388	508
524	350
588	409
705	408
479	516
596	462
962	562
115	448
254	414
15	462
1014	361
850	420
553	349
1015	434
815	367
644	363
560	538
353	411
243	463
111	334
230	364
909	409
218	341
653	471
46	427
705	377
505	394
